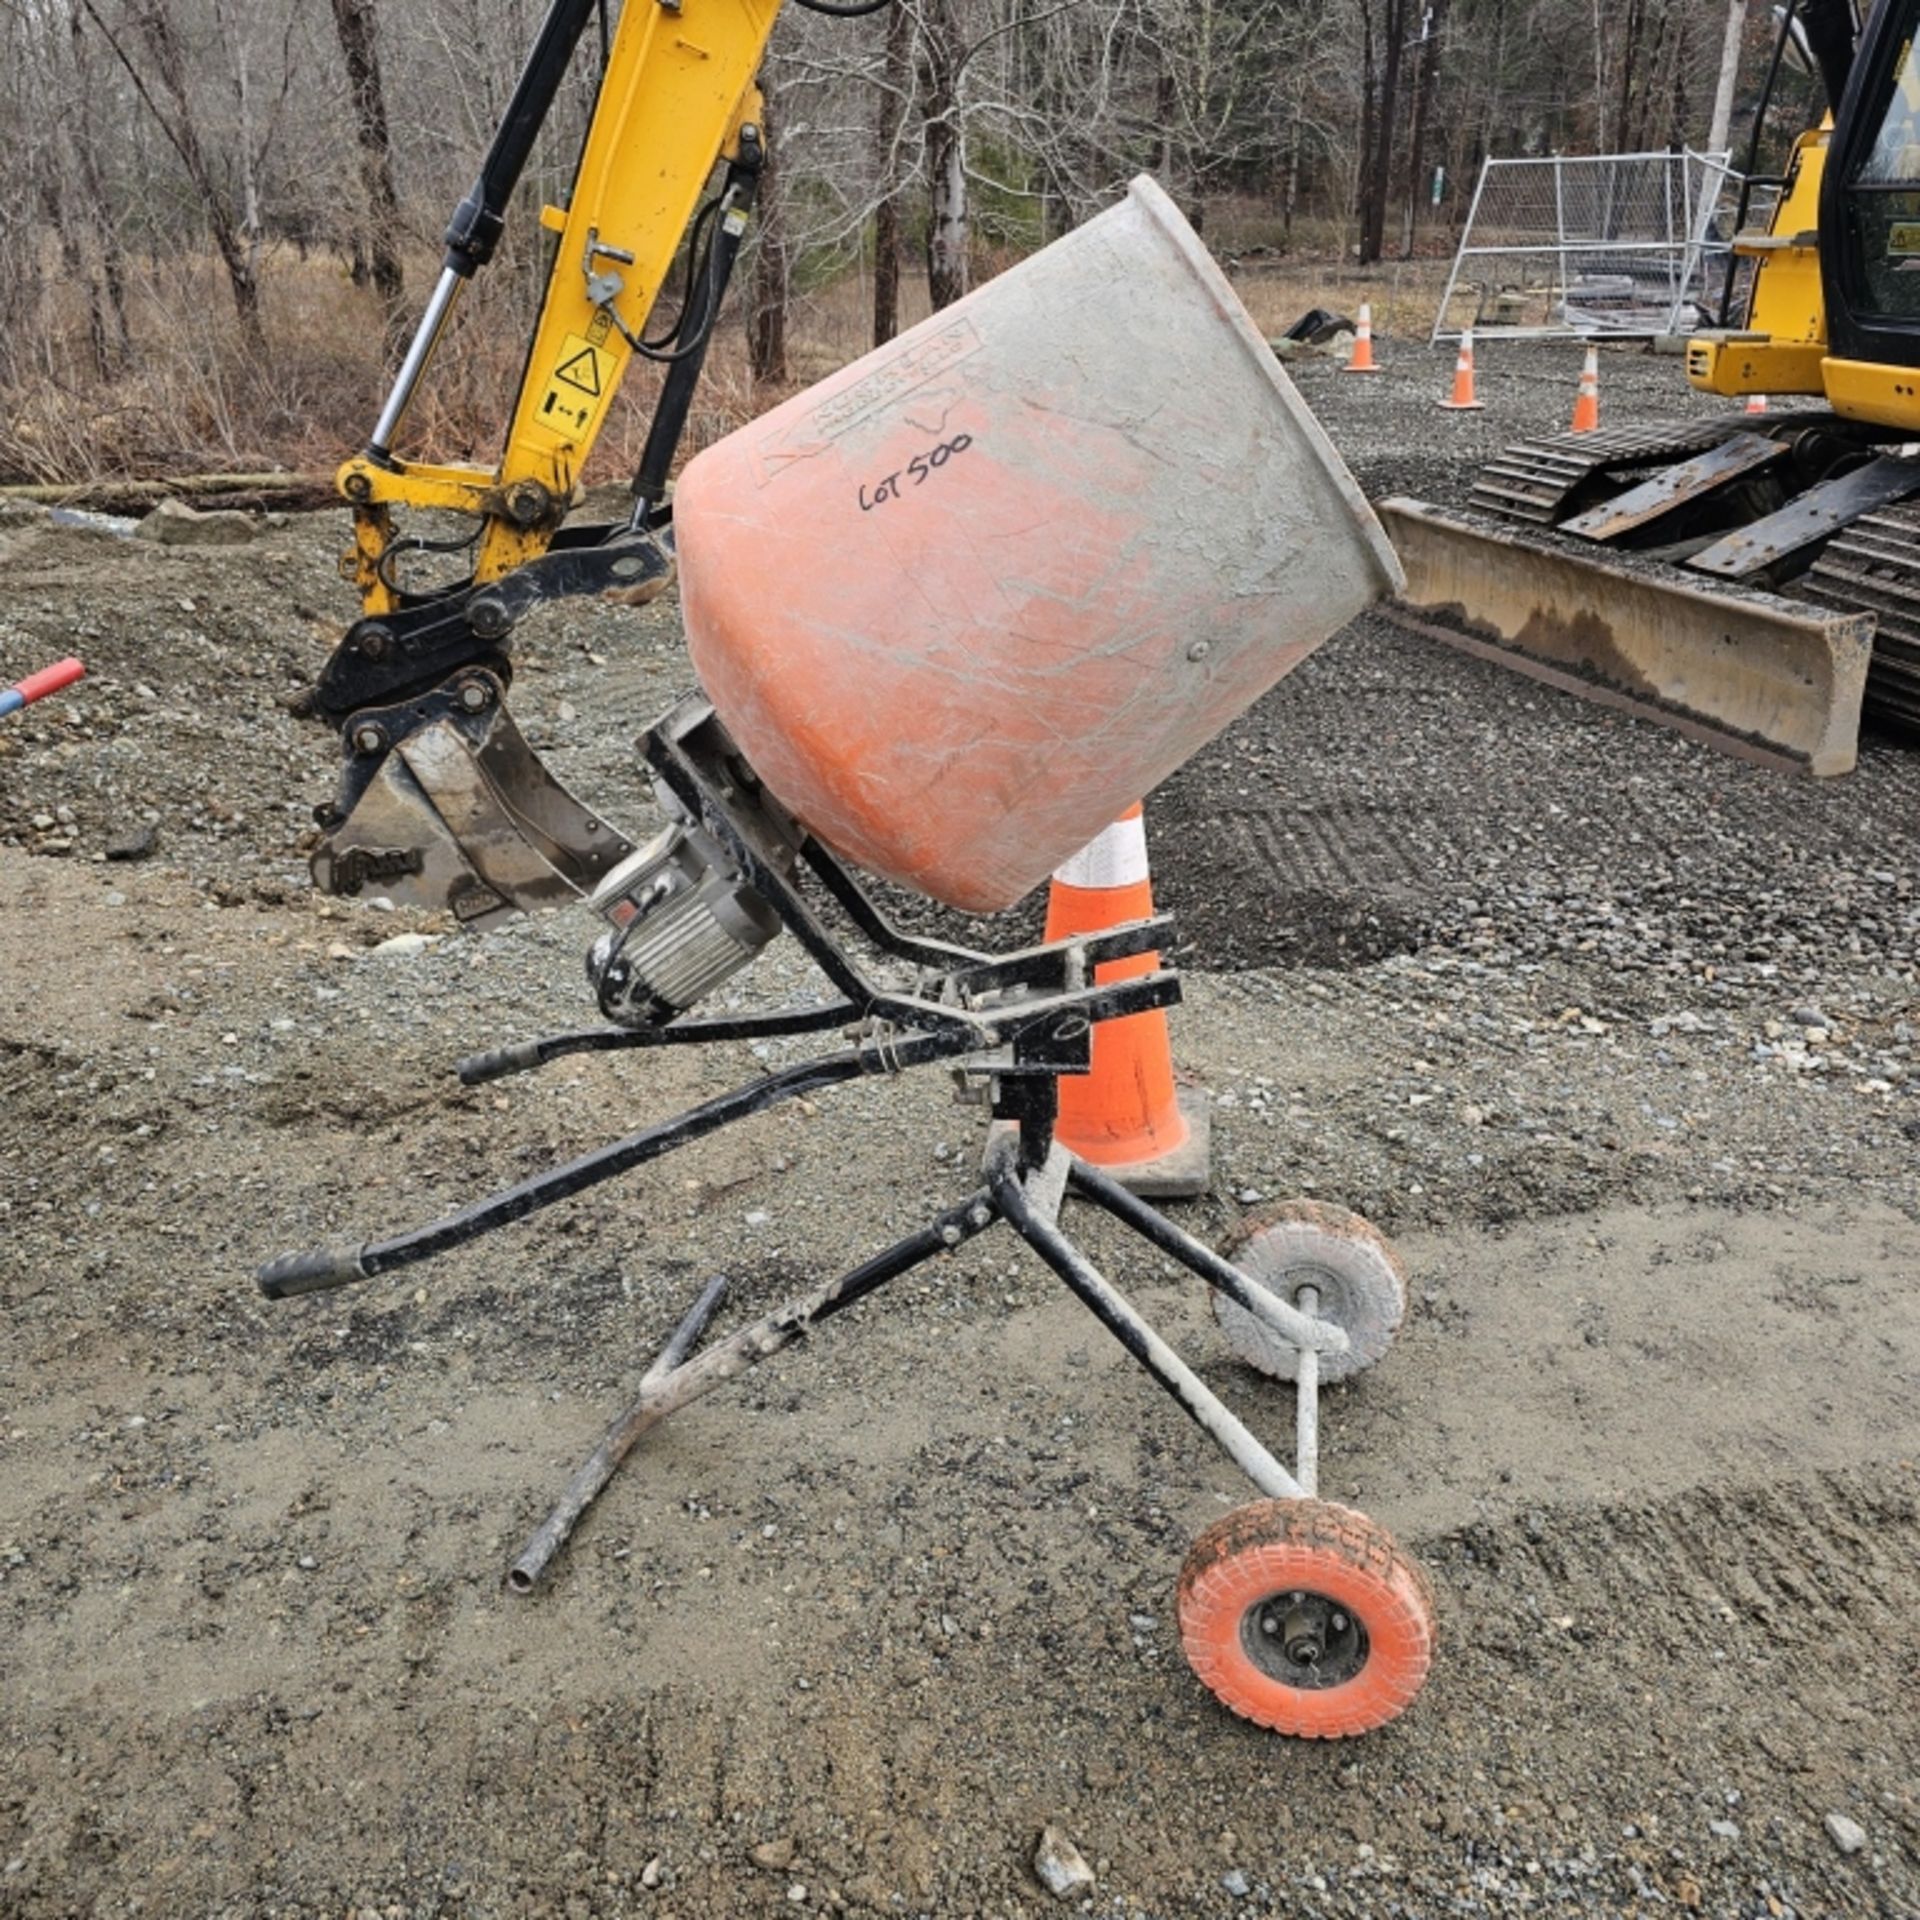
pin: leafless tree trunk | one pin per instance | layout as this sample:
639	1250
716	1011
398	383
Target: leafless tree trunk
772	282
1426	75
1290	197
1377	155
99	210
250	223
1627	26
896	77
1722	121
353	24
947	224
1369	113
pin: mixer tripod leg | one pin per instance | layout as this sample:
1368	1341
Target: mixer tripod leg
325	1267
681	1376
1098	1294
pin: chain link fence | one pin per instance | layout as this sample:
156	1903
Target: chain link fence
1594	244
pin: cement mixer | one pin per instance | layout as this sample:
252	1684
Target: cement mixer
952	611
963	603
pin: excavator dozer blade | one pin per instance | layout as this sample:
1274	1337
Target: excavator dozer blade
444	805
1738	666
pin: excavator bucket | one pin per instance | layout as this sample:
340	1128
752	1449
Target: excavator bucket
443	805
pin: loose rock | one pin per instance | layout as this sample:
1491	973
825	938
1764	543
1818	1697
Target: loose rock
1060	1866
175	524
1848	1835
134	843
403	946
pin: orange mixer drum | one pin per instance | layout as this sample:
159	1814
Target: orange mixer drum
964	602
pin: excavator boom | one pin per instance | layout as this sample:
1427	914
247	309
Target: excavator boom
442	802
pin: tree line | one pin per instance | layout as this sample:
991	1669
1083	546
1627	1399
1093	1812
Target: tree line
163	152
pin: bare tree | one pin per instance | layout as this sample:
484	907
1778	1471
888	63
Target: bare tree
229	197
1385	31
895	81
1426	74
771	286
943	59
379	255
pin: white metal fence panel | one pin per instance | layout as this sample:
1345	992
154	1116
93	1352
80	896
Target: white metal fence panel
1592	244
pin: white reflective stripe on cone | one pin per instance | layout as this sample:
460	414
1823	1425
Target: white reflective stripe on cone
1116	857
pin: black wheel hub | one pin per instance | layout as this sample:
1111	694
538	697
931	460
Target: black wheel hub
1303	1639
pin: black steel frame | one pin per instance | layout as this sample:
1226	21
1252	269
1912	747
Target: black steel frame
1018	1020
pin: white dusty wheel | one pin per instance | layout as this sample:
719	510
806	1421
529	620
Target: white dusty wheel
1302	1243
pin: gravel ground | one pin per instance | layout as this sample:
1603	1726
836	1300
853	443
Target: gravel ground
1613	1034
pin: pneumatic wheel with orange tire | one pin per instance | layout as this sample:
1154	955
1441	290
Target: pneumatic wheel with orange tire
1305	1617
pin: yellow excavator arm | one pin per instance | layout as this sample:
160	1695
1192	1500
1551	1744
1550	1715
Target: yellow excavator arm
441	801
678	89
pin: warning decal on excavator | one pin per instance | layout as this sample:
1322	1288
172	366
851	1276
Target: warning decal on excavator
575	389
582	371
1903	238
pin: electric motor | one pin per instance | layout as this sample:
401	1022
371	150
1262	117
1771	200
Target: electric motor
682	920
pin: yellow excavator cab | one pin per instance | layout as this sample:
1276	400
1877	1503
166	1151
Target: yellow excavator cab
1782	346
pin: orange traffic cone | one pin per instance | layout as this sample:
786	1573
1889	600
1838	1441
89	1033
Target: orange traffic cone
1462	399
1756	403
1586	404
1361	360
1125	1116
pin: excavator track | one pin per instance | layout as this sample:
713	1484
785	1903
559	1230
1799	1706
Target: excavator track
1540	482
1874	567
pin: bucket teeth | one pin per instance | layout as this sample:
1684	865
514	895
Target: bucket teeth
443	805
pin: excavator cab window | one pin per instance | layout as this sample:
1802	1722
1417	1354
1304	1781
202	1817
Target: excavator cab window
1870	196
1883	192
